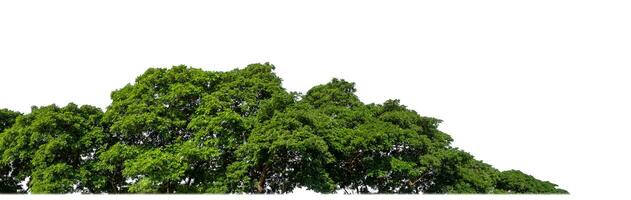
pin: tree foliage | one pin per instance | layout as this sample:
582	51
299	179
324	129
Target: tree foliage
186	130
8	181
52	146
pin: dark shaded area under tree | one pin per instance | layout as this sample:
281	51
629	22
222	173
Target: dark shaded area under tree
186	130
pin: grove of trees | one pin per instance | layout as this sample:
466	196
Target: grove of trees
186	130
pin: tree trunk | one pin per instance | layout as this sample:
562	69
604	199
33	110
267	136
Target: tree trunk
260	187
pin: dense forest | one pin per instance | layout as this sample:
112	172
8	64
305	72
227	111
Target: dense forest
187	130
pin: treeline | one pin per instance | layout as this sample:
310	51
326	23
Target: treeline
186	130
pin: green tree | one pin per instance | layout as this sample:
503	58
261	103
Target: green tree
51	145
455	171
199	117
8	183
105	172
282	154
186	130
245	100
515	181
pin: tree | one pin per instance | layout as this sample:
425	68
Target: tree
186	130
515	181
8	184
150	115
282	154
51	146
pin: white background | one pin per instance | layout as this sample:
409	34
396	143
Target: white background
540	85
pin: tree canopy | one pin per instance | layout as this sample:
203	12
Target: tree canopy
186	130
